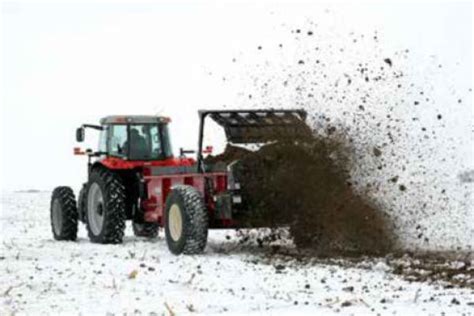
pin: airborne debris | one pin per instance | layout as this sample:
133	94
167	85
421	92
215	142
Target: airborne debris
377	152
300	182
133	274
388	61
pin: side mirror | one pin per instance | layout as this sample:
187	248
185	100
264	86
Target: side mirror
80	134
184	152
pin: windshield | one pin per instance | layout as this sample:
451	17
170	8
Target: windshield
139	141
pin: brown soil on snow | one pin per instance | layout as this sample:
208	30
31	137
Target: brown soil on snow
304	183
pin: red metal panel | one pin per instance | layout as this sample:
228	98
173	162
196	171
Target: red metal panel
189	181
119	163
165	191
153	204
177	180
158	188
220	183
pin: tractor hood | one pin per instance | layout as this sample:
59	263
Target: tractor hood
260	126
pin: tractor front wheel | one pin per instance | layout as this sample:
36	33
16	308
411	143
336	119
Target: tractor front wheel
105	207
64	214
186	221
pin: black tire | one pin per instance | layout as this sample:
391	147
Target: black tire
147	230
189	203
111	207
63	212
81	203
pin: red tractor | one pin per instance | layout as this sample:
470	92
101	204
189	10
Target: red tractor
134	176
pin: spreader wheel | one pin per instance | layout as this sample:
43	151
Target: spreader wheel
64	214
186	221
105	215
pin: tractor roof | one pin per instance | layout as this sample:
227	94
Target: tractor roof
134	119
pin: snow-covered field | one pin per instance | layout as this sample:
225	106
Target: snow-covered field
43	276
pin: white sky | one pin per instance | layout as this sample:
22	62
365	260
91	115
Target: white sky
66	64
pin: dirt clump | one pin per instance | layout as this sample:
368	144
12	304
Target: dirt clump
230	153
436	267
304	183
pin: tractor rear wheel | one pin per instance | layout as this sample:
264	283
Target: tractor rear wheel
64	214
186	221
148	230
105	204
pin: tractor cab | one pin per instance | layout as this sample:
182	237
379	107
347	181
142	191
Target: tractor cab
134	138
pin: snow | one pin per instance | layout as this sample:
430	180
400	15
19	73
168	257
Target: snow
43	276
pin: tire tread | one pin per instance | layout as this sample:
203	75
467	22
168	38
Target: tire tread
69	213
196	219
114	224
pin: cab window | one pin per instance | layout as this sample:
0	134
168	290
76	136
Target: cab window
117	140
103	140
